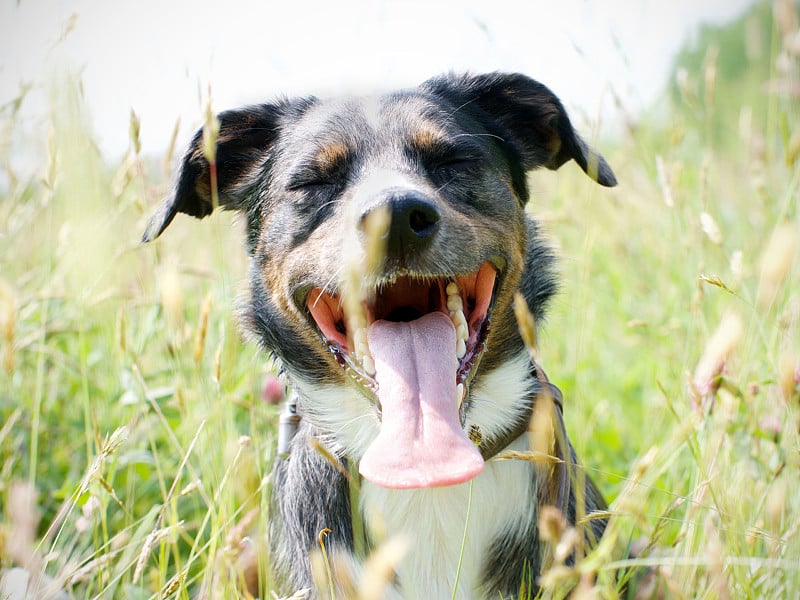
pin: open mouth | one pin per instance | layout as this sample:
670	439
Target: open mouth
466	300
415	350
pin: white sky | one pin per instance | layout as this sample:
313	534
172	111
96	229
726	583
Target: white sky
158	57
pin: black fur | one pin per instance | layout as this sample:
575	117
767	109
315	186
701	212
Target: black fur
295	526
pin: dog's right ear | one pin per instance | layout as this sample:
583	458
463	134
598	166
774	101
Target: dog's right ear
243	146
530	119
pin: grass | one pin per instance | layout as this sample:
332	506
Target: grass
135	440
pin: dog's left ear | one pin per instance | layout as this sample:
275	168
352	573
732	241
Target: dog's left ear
530	117
242	148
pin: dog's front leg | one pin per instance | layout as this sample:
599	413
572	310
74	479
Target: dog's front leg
309	495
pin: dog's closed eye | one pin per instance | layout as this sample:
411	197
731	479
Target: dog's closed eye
328	167
312	182
444	159
457	162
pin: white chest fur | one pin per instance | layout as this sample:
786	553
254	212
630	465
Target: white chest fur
432	523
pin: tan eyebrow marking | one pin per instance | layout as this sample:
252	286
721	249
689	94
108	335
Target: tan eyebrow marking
427	138
330	156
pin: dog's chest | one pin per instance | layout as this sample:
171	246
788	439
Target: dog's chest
432	522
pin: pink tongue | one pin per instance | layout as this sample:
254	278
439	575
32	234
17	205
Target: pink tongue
421	442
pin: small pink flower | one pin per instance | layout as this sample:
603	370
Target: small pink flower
771	425
272	390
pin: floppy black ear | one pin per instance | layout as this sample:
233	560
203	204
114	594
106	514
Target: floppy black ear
243	147
528	116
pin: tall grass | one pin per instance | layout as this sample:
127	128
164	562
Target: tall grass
136	442
130	407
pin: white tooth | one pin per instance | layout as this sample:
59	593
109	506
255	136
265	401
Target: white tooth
460	323
368	364
360	337
459	394
455	306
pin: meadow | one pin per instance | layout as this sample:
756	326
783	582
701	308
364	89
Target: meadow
137	425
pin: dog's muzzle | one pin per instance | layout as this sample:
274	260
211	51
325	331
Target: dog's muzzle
421	341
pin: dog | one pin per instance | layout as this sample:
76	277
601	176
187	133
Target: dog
413	401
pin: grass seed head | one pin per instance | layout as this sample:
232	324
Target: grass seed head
552	524
717	351
644	463
776	263
236	538
24	519
91	506
217	364
151	541
167	162
786	18
210	132
191	487
557	576
585	590
776	506
541	435
122	342
664	182
202	330
115	440
710	228
90	569
360	268
134	132
376	227
169	281
789	375
736	267
526	323
380	568
715	554
53	161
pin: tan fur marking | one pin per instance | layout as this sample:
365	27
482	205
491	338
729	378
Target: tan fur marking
331	155
426	138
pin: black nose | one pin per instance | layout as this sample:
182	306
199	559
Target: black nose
414	223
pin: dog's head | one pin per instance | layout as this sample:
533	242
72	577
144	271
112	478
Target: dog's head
437	176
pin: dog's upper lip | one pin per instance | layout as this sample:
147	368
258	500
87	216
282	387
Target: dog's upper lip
303	289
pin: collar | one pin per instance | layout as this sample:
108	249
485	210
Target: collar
520	426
